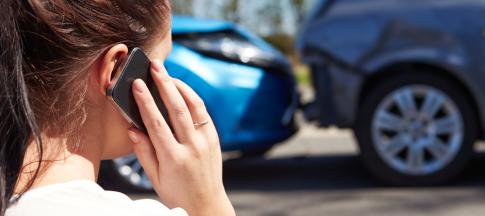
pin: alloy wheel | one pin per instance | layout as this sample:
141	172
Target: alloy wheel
417	129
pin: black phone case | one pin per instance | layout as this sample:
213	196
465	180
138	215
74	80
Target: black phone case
135	66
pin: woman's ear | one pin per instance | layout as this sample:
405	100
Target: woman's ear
106	66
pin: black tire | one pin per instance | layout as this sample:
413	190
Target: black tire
377	93
255	153
110	179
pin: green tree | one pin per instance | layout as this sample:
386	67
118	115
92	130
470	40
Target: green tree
230	10
182	7
299	9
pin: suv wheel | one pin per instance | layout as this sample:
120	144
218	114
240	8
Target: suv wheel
416	129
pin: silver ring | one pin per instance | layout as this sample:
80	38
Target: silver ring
201	123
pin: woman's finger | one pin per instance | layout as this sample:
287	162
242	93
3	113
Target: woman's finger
194	102
145	153
177	109
199	112
157	127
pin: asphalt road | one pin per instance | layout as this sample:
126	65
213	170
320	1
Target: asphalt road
318	172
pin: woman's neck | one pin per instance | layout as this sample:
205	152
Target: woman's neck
61	163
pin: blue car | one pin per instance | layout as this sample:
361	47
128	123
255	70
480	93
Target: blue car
247	86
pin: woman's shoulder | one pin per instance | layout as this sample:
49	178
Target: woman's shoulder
84	198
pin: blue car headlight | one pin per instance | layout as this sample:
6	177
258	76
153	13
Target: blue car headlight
230	46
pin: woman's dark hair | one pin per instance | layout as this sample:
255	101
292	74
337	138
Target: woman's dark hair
46	47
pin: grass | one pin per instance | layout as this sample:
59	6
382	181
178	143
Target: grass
302	74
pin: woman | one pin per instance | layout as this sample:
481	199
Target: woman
57	60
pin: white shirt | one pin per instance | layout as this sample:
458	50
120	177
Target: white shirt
85	198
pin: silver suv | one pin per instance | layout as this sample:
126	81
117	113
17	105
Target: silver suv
407	75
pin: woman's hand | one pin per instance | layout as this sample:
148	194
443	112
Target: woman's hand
184	165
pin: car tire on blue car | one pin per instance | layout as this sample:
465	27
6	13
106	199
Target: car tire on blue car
124	174
255	153
416	128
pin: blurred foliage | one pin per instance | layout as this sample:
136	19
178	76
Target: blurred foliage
263	17
275	20
302	74
283	42
299	9
182	7
230	10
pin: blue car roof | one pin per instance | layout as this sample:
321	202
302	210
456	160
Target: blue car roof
184	24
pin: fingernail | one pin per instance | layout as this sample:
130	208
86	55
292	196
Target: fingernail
156	65
138	85
133	137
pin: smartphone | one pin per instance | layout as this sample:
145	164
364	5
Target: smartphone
134	66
